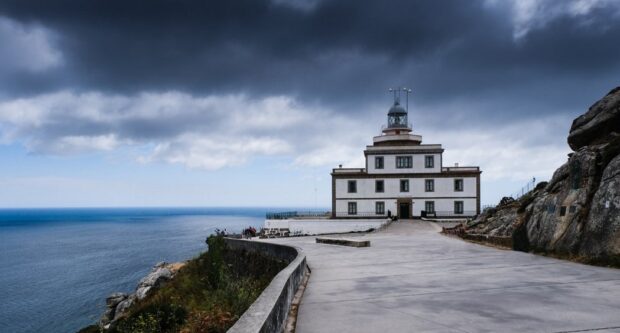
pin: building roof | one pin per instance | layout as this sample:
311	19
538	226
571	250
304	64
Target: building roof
397	109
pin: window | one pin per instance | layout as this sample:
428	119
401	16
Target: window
379	186
458	185
429	161
572	209
404	185
352	186
379	207
429	206
562	210
352	208
458	207
379	162
429	185
404	162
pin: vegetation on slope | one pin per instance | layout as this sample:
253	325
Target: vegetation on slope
208	294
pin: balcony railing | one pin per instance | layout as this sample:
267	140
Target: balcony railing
361	214
296	215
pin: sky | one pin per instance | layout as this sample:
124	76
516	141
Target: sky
253	102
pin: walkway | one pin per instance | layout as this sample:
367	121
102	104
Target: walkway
413	279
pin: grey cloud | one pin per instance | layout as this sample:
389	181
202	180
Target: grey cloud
340	52
461	57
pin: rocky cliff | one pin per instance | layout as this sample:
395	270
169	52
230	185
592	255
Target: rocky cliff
117	304
577	213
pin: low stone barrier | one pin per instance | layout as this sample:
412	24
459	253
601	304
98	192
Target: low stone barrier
270	311
459	230
325	226
344	241
494	240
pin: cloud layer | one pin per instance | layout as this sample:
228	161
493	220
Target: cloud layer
211	85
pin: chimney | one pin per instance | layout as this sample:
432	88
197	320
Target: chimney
340	166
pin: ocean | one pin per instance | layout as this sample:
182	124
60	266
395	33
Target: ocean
58	265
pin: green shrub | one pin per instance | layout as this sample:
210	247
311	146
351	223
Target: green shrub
208	294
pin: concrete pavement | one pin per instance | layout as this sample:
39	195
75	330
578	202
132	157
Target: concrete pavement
413	279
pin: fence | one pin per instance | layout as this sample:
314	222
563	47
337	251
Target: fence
523	190
296	214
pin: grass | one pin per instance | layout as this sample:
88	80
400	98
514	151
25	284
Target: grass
208	294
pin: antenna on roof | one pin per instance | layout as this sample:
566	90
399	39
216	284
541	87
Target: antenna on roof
407	90
394	91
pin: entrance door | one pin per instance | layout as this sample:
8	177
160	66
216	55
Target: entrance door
403	210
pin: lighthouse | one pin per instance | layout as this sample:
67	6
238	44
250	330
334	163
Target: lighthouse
404	177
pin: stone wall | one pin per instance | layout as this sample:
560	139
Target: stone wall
270	311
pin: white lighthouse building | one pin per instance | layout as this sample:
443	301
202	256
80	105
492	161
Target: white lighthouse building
404	178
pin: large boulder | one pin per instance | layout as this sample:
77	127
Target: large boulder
160	274
602	232
111	304
578	212
556	215
597	125
118	304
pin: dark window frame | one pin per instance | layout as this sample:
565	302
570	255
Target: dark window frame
352	208
427	159
352	189
404	162
428	188
459	207
379	162
430	204
380	204
404	188
377	189
461	182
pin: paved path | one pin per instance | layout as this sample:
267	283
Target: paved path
413	279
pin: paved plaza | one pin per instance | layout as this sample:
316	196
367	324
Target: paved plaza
413	279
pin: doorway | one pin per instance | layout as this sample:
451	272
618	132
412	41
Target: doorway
404	208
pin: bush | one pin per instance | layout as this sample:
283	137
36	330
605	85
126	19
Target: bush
208	294
154	318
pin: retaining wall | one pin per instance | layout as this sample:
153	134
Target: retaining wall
325	226
270	311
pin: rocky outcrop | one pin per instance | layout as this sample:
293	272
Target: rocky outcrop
117	304
578	212
597	125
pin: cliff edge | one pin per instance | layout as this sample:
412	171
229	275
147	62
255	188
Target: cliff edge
577	213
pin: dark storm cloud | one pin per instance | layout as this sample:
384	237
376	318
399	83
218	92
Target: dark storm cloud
339	53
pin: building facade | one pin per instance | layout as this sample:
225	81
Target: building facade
404	178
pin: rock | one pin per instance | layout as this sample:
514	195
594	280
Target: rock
142	292
112	302
602	231
557	214
119	303
577	213
160	273
506	201
123	306
115	298
597	125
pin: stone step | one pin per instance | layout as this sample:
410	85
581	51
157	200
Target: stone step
344	241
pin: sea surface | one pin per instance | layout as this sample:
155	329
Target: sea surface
58	265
